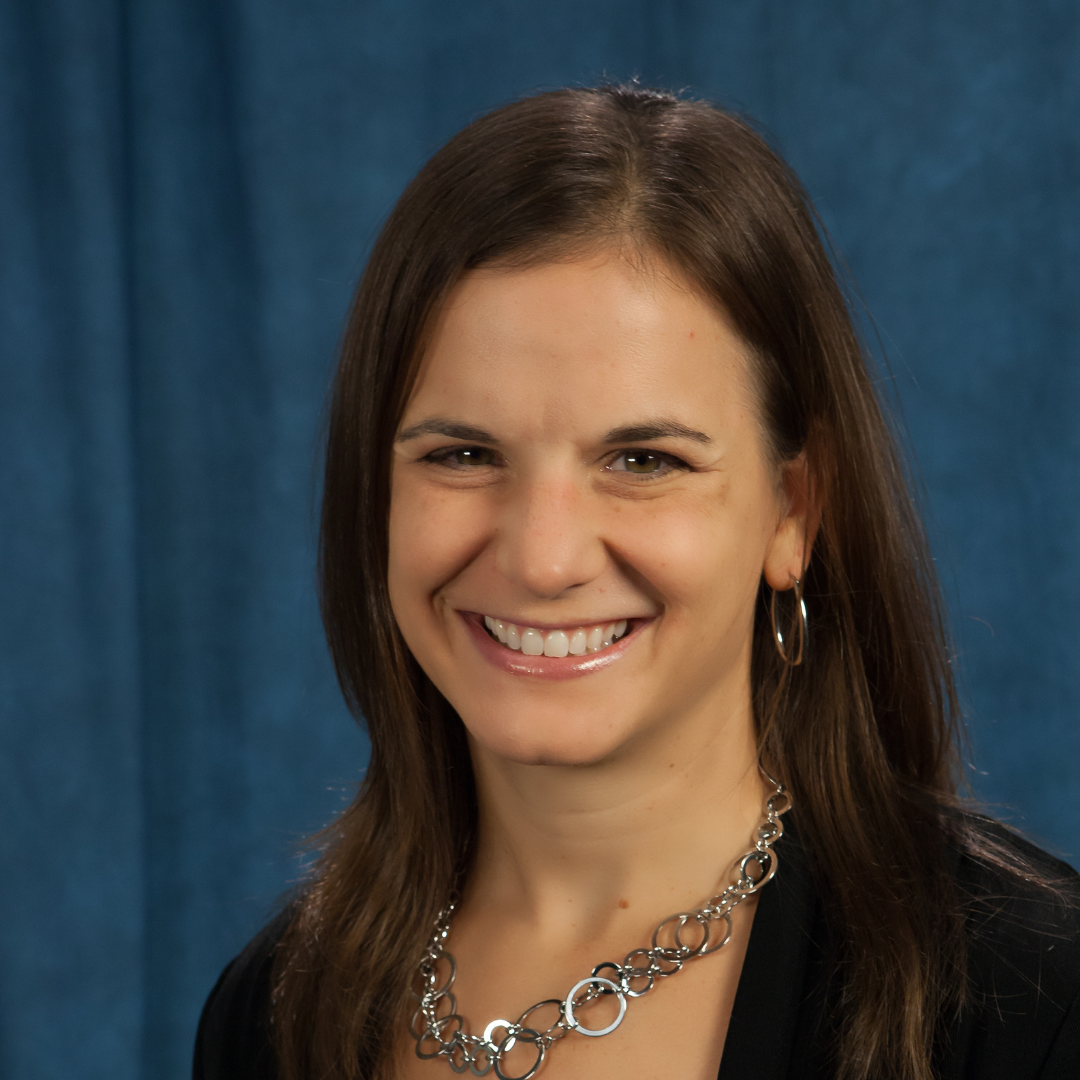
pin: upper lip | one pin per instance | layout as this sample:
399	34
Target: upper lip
533	625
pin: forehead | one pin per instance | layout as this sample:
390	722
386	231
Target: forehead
586	343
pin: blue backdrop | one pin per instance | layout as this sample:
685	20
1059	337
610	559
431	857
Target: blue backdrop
187	192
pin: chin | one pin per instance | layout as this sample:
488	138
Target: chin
544	741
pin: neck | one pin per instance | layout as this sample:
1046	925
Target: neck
650	831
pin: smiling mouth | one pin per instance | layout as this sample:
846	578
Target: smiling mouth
568	641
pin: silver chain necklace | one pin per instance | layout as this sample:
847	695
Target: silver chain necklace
439	1030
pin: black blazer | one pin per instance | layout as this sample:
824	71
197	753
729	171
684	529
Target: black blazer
1023	1023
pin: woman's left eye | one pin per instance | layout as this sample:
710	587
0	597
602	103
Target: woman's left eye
645	463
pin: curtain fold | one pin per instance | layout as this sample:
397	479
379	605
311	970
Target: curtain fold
71	929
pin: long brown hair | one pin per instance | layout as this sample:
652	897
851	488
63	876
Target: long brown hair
863	732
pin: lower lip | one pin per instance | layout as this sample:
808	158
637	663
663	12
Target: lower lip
547	667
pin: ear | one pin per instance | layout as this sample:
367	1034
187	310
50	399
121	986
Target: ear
788	553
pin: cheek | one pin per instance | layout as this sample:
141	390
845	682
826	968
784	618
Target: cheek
703	557
433	534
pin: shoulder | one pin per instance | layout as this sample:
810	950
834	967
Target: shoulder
233	1040
1023	1015
1027	917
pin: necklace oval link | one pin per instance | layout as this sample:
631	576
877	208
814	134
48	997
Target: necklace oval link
522	1035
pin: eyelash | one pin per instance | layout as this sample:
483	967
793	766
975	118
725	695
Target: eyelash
444	457
673	463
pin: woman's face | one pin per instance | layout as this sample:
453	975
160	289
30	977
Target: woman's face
582	509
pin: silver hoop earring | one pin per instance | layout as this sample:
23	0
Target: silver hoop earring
800	627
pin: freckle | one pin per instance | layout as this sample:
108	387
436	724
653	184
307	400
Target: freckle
624	904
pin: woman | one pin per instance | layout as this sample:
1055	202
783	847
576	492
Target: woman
618	565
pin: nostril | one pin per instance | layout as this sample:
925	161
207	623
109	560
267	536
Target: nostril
548	555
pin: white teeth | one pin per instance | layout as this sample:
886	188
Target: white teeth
535	642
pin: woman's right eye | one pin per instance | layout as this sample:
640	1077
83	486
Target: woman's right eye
463	457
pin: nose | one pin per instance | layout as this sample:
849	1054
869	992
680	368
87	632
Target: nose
547	541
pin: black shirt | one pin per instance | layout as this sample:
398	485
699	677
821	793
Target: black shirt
1023	1022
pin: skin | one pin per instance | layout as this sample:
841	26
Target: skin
611	800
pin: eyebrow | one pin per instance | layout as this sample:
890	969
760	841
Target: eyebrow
655	429
452	429
646	431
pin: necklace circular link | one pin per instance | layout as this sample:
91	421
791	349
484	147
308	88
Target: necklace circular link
482	1054
606	986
